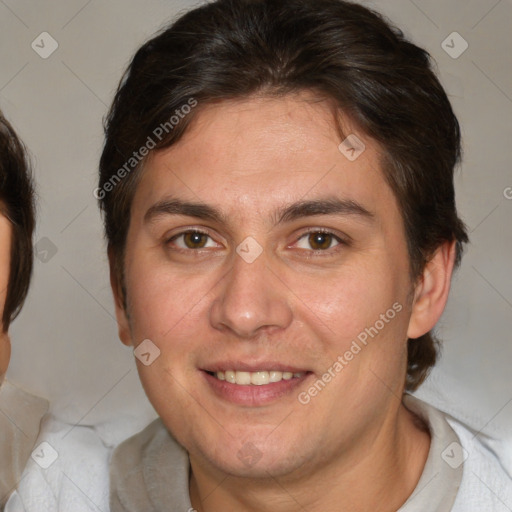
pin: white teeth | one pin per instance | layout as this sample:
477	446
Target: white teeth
243	378
275	376
259	378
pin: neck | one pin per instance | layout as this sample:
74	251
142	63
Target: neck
379	474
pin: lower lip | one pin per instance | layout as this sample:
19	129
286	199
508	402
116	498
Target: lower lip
252	395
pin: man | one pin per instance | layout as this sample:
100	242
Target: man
21	413
277	186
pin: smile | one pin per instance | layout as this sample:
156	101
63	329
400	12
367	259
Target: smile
257	378
255	388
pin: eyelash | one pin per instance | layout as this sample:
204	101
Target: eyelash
320	252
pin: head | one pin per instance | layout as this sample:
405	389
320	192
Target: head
229	123
16	229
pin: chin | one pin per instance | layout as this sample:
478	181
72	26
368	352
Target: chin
254	457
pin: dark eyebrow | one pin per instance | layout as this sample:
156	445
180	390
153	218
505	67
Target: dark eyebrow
187	208
288	213
328	206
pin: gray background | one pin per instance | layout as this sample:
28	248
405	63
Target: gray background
65	344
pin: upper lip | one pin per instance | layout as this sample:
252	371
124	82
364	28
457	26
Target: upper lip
253	367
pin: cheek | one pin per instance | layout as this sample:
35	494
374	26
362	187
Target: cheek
160	299
166	308
360	315
350	299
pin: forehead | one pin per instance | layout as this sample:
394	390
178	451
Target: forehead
254	153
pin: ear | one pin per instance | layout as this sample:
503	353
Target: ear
431	292
123	324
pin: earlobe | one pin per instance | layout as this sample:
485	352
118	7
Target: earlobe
432	289
117	291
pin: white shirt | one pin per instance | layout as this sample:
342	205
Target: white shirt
20	419
149	471
462	472
69	472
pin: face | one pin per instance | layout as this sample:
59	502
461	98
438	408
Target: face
256	245
5	252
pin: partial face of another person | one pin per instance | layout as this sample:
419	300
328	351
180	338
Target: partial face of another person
5	261
256	245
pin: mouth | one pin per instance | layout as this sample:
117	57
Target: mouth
255	386
256	378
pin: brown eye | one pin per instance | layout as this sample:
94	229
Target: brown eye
195	240
191	240
318	241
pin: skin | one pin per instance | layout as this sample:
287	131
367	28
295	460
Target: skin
5	255
354	446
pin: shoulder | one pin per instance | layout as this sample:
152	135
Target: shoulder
20	423
68	470
22	409
485	475
127	457
148	471
127	471
486	481
154	444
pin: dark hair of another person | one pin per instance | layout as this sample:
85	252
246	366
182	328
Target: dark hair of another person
17	204
339	51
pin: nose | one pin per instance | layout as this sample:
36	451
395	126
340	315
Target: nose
251	299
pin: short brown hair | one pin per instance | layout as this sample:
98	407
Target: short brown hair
17	204
231	49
